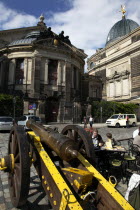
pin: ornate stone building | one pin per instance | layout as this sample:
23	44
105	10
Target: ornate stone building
118	63
45	69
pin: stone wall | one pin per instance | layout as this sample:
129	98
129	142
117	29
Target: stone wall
135	76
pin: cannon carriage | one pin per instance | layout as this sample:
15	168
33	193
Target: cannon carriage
65	164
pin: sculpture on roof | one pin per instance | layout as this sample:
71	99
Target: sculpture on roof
64	38
61	36
123	10
47	33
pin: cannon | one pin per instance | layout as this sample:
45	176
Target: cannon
65	163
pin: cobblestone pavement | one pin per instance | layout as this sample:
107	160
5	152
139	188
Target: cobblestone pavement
37	199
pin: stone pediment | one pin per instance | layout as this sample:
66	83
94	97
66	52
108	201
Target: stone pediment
51	42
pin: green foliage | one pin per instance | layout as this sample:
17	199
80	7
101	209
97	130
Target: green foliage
7	105
107	108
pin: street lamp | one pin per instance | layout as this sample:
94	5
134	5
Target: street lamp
101	110
14	104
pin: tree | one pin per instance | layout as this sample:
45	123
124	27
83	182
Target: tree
7	106
110	108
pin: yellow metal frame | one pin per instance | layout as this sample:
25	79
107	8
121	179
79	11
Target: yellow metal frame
111	190
67	196
2	164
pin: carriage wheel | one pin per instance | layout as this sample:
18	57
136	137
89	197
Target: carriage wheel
19	175
82	141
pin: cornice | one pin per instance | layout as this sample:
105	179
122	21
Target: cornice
18	30
115	58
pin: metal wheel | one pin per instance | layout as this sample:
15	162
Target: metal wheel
82	140
19	175
117	125
133	124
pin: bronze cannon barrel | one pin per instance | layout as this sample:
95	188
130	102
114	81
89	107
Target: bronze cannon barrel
63	146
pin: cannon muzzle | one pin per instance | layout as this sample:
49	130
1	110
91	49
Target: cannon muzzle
63	146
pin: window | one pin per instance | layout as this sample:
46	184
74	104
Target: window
19	72
22	118
52	72
91	65
131	116
111	89
6	119
114	116
125	87
118	88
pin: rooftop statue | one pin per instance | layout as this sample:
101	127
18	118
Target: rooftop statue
123	10
61	36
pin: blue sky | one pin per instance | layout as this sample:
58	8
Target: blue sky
36	7
86	22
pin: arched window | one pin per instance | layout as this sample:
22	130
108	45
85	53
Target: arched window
19	73
92	65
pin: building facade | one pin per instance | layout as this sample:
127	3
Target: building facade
117	64
43	68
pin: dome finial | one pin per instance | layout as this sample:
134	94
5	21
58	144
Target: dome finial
41	22
123	10
41	18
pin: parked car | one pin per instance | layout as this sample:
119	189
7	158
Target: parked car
22	120
119	120
6	123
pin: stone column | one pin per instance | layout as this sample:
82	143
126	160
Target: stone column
25	71
35	82
59	73
72	75
77	79
29	71
26	107
12	67
68	104
64	73
46	72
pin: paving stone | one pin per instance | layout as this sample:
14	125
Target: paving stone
3	206
5	183
5	186
1	193
2	199
6	190
9	205
8	199
6	195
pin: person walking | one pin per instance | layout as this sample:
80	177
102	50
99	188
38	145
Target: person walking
91	121
85	122
127	122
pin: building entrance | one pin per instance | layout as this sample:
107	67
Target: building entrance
52	105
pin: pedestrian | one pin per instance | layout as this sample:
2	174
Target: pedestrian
85	122
127	121
91	121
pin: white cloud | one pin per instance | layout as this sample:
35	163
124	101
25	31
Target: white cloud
10	18
88	22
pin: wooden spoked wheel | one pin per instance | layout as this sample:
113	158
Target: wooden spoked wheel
82	141
19	175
